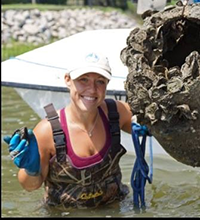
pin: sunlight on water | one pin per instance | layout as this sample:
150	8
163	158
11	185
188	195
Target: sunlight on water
175	191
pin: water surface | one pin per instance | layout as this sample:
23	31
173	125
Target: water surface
175	191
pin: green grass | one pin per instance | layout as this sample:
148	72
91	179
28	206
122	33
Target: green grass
173	2
41	7
16	48
45	7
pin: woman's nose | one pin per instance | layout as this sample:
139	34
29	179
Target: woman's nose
93	85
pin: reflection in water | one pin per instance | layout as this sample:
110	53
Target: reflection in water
175	191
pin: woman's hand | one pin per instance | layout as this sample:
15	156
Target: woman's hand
24	152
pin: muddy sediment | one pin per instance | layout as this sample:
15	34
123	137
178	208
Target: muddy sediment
163	84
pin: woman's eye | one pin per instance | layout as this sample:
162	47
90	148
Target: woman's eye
101	82
83	79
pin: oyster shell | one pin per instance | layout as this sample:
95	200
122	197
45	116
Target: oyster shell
163	84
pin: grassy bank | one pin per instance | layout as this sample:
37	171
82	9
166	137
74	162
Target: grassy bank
15	48
45	7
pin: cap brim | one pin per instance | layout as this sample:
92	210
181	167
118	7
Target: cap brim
78	72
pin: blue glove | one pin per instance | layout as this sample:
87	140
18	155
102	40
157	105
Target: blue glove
24	152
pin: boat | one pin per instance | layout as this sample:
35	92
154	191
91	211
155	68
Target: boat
38	75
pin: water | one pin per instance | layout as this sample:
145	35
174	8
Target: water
175	191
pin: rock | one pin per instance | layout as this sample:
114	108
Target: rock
58	24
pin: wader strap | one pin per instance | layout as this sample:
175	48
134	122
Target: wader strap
58	134
113	116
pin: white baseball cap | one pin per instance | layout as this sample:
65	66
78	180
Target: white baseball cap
91	63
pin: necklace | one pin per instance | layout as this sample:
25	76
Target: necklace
91	130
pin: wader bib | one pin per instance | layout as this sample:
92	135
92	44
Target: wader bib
66	186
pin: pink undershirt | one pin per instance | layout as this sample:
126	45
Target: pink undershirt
83	162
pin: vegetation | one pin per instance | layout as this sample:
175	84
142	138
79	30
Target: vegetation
41	7
15	48
173	2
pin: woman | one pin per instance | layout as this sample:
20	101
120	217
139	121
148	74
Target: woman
75	152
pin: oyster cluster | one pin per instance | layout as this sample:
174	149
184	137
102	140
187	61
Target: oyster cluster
163	84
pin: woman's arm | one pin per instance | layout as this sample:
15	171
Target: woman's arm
125	116
43	134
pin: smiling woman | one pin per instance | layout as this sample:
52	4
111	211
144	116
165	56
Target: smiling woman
84	171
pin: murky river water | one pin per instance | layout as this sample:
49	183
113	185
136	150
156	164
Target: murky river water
175	191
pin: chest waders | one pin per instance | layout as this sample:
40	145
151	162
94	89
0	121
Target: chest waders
91	186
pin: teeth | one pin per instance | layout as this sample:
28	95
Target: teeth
89	98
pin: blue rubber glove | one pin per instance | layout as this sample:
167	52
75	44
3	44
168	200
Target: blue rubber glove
24	152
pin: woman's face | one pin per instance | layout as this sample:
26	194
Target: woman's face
88	91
